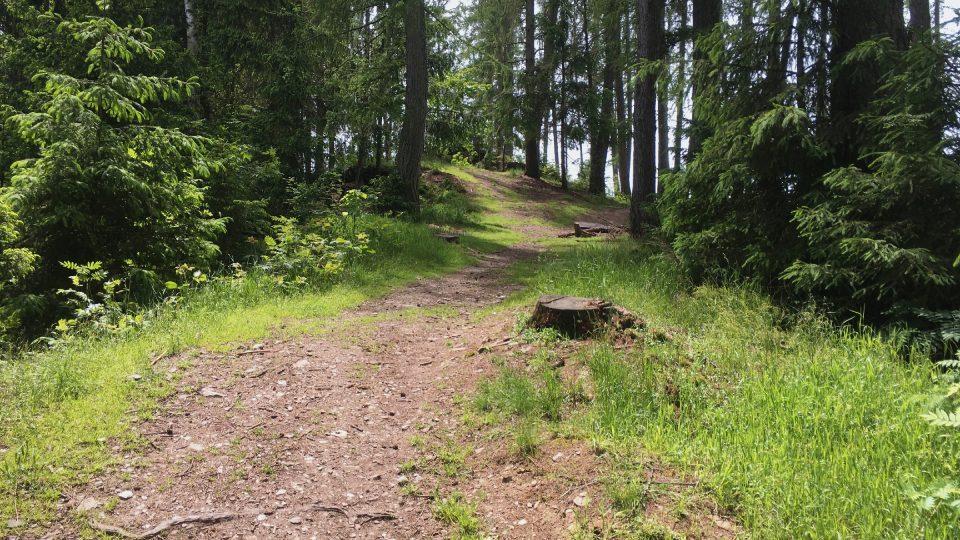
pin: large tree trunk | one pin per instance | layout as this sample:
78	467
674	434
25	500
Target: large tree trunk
650	15
534	114
854	86
919	19
706	15
604	123
410	150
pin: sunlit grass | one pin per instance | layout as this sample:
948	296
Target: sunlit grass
797	428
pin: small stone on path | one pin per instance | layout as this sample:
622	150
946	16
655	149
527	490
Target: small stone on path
125	495
88	504
207	391
14	523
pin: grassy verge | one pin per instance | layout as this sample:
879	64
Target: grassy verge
797	428
65	413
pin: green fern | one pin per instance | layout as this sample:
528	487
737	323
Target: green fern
942	418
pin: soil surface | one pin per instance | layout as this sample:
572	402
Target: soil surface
351	433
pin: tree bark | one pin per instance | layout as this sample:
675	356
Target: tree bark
706	15
604	124
410	150
623	125
564	178
534	114
919	19
937	7
650	15
853	86
681	92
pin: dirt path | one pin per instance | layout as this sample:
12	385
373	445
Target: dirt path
307	438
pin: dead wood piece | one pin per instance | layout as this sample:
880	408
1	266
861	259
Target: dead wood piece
363	519
332	509
585	229
578	317
448	237
210	519
164	526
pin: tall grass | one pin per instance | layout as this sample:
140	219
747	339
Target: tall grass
802	430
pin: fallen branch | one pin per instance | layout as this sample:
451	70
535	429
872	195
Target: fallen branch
255	351
163	527
363	519
211	519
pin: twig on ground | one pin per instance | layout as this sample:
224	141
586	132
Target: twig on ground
211	519
363	519
164	526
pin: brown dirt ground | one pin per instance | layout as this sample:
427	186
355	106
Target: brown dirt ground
305	437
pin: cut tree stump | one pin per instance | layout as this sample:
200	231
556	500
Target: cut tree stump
449	237
577	317
584	229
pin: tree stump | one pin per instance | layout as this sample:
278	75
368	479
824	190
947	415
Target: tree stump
584	229
450	238
577	317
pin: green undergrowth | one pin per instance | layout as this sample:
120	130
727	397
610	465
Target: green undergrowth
63	411
797	428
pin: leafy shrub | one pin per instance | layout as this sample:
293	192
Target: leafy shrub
297	257
876	233
108	182
98	303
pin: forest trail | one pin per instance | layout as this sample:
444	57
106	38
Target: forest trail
352	431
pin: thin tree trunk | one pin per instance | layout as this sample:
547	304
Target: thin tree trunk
415	103
650	15
623	124
545	135
937	7
663	129
802	17
332	149
564	178
663	136
378	143
534	116
681	92
556	135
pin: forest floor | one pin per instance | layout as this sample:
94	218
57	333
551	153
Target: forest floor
363	429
